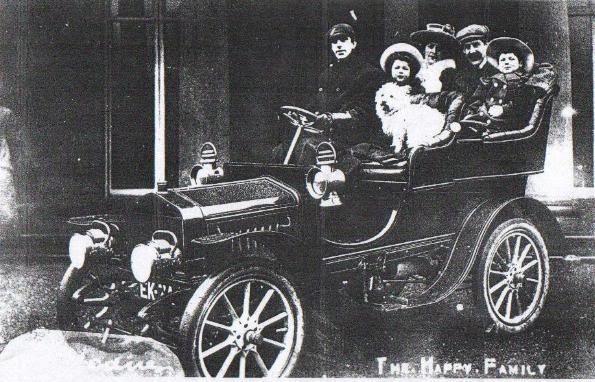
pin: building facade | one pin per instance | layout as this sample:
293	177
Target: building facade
113	96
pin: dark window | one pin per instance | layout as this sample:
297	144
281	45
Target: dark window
132	105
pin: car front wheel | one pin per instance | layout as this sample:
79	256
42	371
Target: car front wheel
85	300
243	322
512	278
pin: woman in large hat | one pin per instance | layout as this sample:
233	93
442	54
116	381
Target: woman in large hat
439	47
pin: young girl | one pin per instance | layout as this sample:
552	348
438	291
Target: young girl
401	103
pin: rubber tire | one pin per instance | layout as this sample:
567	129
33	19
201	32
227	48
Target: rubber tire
203	297
483	305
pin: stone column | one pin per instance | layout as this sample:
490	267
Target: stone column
544	26
400	19
204	82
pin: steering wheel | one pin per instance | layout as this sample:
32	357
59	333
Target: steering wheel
302	120
299	117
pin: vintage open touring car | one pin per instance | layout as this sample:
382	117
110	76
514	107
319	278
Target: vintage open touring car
219	270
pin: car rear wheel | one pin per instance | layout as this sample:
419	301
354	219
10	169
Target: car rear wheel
512	278
243	322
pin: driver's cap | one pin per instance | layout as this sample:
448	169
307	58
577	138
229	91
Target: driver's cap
341	31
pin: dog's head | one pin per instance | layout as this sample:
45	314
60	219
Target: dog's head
390	98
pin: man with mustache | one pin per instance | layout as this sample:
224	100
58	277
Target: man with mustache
474	41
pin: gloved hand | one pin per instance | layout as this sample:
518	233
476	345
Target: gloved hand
496	111
324	122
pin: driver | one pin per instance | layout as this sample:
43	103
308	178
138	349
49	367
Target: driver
344	103
345	99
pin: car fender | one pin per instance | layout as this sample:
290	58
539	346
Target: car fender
473	232
85	221
540	216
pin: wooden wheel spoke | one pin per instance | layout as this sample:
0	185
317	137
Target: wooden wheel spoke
501	298
260	362
272	320
529	265
498	272
263	303
497	286
524	253
509	305
218	325
517	247
230	307
242	371
246	306
500	260
228	360
508	250
216	348
269	341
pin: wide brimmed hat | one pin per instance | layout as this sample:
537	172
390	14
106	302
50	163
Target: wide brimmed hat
442	34
401	47
510	45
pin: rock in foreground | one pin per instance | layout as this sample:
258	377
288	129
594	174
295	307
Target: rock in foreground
59	355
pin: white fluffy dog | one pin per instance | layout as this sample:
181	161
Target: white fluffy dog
408	124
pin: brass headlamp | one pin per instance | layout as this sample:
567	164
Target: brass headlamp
96	242
160	253
207	171
325	181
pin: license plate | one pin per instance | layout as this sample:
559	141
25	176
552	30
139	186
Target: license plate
153	291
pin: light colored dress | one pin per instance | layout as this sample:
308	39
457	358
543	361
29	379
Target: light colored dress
430	75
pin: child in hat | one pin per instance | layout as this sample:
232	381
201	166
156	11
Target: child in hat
503	101
400	102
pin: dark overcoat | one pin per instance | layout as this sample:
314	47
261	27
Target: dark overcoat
468	78
350	86
511	93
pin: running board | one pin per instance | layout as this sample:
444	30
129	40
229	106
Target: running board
575	259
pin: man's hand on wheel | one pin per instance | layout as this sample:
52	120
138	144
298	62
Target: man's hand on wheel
324	122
